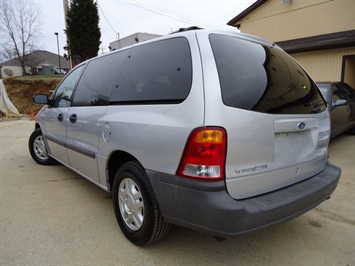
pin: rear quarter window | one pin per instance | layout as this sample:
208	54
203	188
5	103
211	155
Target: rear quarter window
263	78
157	72
96	83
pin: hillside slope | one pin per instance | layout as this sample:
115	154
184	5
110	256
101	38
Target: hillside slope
21	92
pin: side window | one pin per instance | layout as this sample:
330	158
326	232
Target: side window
337	93
349	92
95	85
63	94
155	72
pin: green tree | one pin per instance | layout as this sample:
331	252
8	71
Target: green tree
83	32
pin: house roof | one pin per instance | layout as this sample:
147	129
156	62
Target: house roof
245	13
312	43
40	57
319	42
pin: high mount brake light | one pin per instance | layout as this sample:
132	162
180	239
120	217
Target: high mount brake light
204	154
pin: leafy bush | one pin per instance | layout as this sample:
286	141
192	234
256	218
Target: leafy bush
8	72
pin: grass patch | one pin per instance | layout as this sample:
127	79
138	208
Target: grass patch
41	77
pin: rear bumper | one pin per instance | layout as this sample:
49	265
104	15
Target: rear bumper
207	207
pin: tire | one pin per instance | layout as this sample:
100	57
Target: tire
38	149
136	208
352	131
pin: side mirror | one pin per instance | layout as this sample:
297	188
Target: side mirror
339	102
41	99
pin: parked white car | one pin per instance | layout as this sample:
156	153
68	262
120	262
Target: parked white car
59	71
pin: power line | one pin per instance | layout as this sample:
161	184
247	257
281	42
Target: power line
176	15
150	7
164	12
102	12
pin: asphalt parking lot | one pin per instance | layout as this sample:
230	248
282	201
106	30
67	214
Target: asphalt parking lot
50	215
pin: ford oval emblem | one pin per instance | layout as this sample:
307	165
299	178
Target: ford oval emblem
301	125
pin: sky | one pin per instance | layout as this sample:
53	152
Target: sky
120	18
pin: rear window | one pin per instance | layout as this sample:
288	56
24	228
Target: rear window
262	78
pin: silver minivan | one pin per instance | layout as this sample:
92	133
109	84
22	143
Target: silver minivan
215	131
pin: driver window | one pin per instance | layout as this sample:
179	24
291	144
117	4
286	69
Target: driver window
337	93
62	96
348	91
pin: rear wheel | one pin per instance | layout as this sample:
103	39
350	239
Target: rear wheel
38	149
136	208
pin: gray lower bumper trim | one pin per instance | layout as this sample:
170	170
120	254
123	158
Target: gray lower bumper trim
207	207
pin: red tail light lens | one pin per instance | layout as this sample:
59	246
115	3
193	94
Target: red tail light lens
204	155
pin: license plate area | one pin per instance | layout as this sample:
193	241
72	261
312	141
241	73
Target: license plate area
294	147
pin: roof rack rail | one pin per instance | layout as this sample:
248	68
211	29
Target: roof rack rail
187	29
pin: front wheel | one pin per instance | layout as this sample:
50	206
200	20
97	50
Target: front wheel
38	149
136	208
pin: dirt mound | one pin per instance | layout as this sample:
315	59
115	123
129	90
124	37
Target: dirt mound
21	92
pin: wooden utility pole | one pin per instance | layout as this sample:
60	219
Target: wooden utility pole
65	6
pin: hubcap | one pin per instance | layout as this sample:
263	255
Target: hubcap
131	205
40	148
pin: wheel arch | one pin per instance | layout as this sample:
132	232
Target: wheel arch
117	159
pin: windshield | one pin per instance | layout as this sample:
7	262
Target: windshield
324	90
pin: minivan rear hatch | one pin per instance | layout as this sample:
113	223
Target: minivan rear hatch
276	120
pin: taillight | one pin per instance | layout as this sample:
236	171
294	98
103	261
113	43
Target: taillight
204	155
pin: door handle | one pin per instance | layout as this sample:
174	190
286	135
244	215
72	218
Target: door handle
72	118
60	117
